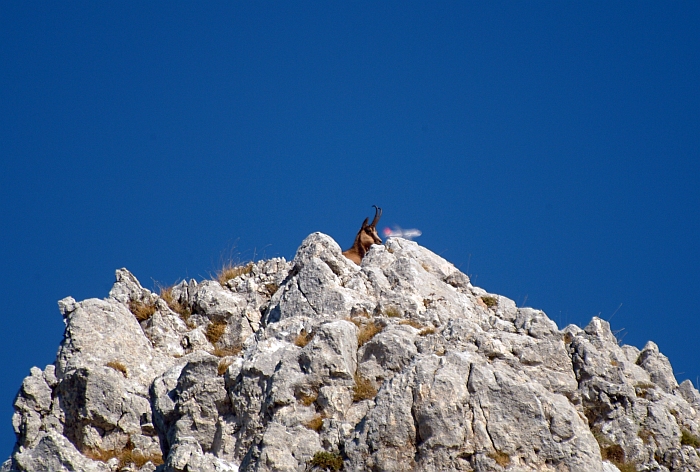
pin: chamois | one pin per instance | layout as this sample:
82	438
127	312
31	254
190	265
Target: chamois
365	238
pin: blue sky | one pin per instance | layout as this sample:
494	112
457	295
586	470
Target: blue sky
551	150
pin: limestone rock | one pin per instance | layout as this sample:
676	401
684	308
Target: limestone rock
55	453
397	364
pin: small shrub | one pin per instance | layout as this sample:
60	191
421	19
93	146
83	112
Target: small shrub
489	301
363	389
142	311
613	453
231	271
501	458
315	424
689	439
625	467
303	338
392	312
367	332
327	461
592	414
119	367
427	331
215	330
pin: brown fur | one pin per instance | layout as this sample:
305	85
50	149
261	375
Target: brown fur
365	238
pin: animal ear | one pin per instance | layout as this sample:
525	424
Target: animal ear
364	223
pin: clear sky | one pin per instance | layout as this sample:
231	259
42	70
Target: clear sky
551	150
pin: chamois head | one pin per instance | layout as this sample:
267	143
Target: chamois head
365	238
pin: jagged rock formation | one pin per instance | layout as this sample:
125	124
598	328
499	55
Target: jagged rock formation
399	364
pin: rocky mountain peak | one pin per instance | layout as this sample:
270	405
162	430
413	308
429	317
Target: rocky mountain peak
319	364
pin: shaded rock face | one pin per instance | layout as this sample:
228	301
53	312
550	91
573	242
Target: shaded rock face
397	364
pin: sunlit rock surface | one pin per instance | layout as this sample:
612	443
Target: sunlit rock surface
398	364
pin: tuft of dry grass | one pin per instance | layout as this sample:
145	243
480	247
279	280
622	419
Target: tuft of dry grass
501	458
272	288
612	452
142	311
411	323
166	293
367	332
303	338
641	389
227	351
427	331
327	461
489	301
223	366
392	312
119	367
315	424
126	456
307	399
188	321
363	389
231	271
215	330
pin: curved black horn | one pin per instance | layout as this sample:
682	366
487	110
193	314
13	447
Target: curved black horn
377	215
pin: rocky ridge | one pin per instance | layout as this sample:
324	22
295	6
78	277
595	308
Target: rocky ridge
317	364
